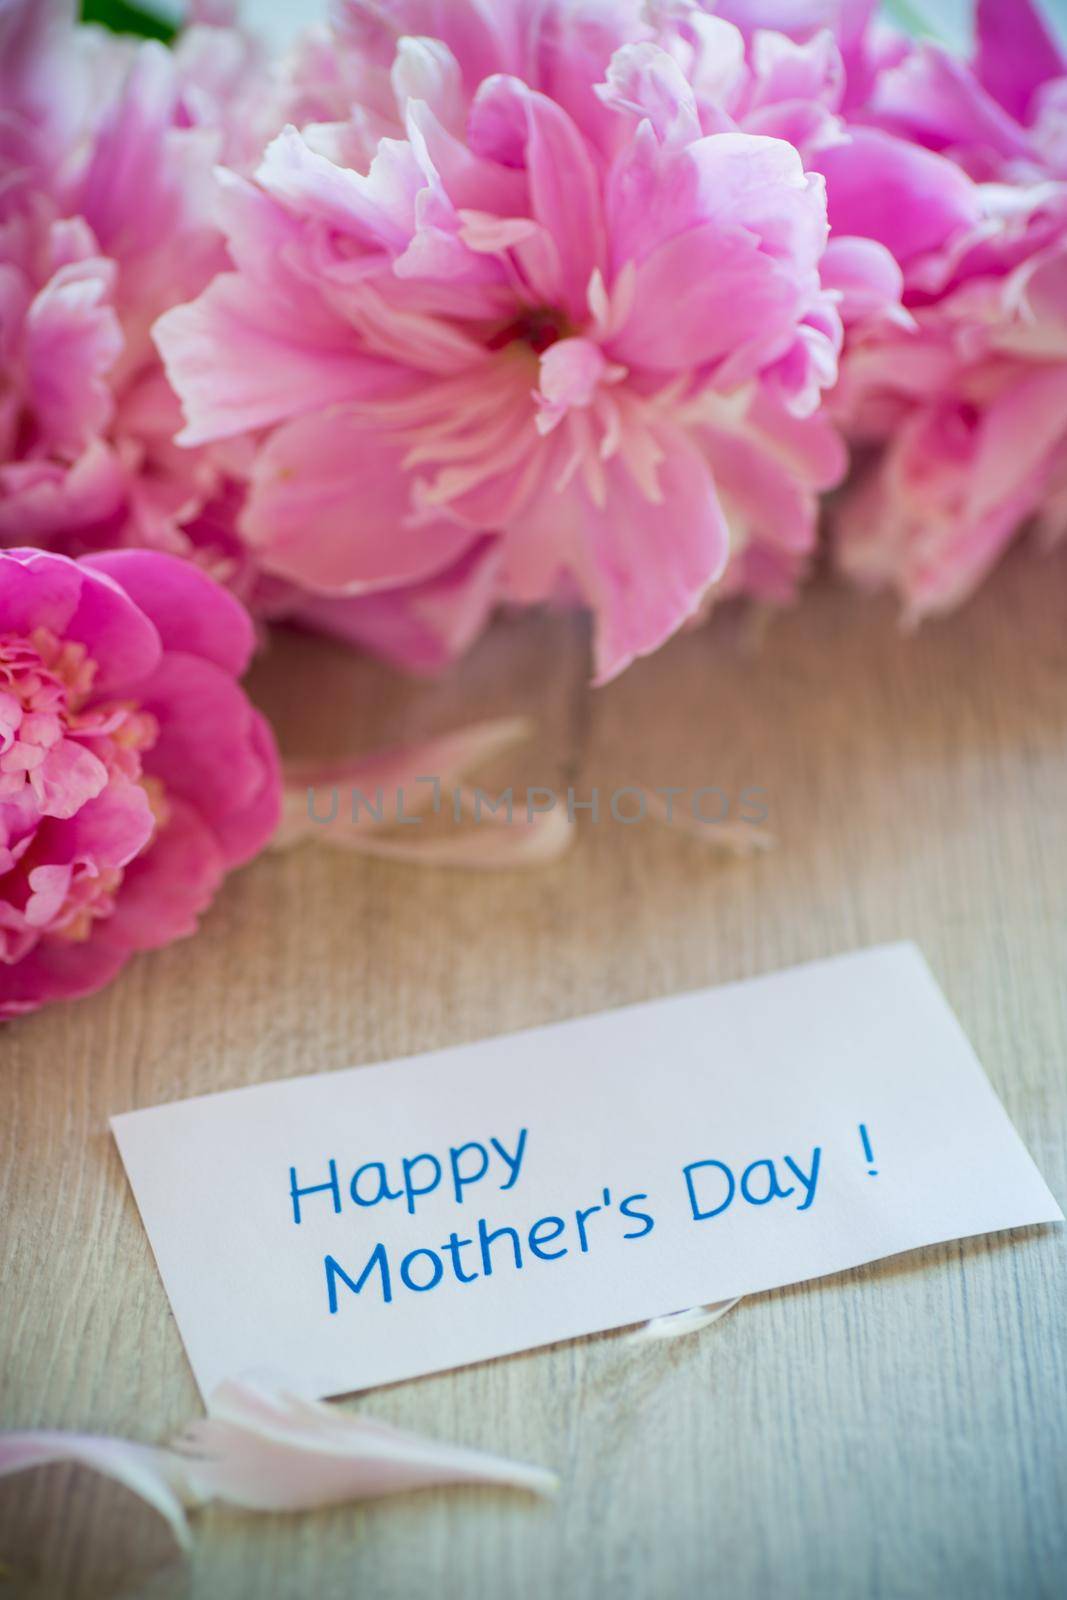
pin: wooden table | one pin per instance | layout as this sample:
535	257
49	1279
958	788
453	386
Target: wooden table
896	1431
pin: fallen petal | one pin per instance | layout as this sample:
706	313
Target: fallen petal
732	838
276	1452
154	1475
488	847
267	1451
679	1323
401	767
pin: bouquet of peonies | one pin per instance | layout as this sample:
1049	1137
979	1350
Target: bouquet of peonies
464	304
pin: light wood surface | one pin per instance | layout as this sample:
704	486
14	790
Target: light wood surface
899	1431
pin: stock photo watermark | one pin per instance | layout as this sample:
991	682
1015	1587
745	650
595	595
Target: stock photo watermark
630	804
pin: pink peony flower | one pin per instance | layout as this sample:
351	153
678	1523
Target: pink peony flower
968	410
1003	117
106	218
107	151
134	773
543	314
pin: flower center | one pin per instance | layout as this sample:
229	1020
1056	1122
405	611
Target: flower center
539	328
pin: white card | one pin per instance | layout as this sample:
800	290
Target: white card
501	1195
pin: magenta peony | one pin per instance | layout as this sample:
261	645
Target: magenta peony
134	773
547	316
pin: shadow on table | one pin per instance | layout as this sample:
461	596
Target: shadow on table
50	1548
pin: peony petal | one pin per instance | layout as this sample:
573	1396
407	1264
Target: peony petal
253	820
733	180
642	561
67	779
466	178
1016	52
646	81
909	199
1016	438
275	367
123	193
275	1452
167	889
411	768
267	1451
678	1323
410	780
72	339
42	499
118	636
58	969
41	590
450	756
378	208
109	830
935	99
736	839
153	1475
48	890
702	294
483	35
425	71
190	610
868	279
489	845
205	752
564	185
37	590
571	373
335	475
420	627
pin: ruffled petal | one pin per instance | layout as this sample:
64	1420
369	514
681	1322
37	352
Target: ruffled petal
205	752
564	185
378	209
166	890
420	627
273	369
704	293
72	339
191	612
57	969
642	564
329	508
1016	52
40	590
252	821
909	199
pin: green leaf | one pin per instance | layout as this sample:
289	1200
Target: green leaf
121	17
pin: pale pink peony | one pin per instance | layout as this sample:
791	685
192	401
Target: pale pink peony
970	408
107	199
550	311
134	773
107	152
107	196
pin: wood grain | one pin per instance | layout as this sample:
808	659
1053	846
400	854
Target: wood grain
899	1431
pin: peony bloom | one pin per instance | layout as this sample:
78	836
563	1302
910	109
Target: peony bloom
968	411
107	150
134	773
542	319
970	415
107	199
